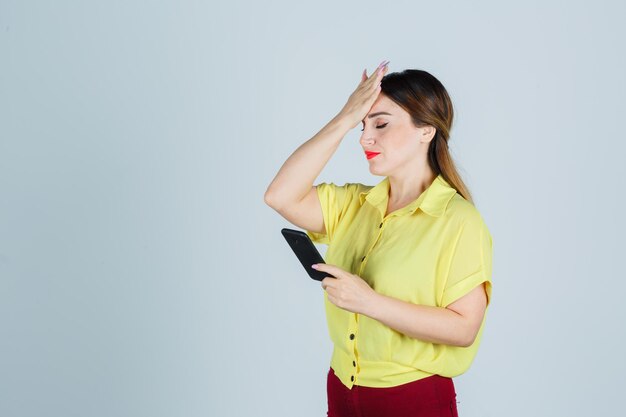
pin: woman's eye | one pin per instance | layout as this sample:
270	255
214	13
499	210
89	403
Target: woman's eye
378	127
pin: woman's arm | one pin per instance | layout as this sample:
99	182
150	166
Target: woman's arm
286	194
295	178
456	325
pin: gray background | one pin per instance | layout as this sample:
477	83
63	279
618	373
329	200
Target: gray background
141	273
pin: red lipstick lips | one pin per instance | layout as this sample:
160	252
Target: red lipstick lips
370	155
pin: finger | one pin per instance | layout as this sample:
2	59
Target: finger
382	64
385	70
381	73
327	268
331	269
364	75
372	76
376	85
326	282
374	79
380	69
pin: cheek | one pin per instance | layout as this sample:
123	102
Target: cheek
400	144
402	150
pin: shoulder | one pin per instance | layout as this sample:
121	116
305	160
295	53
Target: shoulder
462	213
346	190
348	186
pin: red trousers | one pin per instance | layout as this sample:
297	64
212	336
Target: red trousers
433	396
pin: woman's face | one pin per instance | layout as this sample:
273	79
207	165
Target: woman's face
401	146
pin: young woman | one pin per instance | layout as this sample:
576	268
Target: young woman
411	255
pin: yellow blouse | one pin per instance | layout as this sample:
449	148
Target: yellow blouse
431	256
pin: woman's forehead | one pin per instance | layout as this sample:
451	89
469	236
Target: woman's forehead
385	106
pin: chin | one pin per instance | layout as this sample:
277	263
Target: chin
377	172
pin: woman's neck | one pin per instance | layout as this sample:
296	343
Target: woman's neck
406	188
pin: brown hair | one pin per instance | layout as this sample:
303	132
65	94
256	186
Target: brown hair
427	101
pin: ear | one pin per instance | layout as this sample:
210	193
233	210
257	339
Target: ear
428	133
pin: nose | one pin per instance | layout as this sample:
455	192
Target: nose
366	140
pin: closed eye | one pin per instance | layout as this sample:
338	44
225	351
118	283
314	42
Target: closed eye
378	127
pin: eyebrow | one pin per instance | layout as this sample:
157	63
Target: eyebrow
377	114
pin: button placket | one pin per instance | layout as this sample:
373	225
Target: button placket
380	226
352	336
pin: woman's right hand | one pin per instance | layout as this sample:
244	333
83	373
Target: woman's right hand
362	99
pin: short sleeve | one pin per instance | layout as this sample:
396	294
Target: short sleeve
471	262
334	200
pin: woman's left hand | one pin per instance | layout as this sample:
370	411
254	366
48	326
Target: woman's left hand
347	291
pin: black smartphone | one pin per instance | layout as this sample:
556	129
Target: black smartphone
306	252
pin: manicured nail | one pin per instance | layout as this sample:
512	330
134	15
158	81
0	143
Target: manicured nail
314	266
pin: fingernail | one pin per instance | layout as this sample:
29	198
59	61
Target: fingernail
314	266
